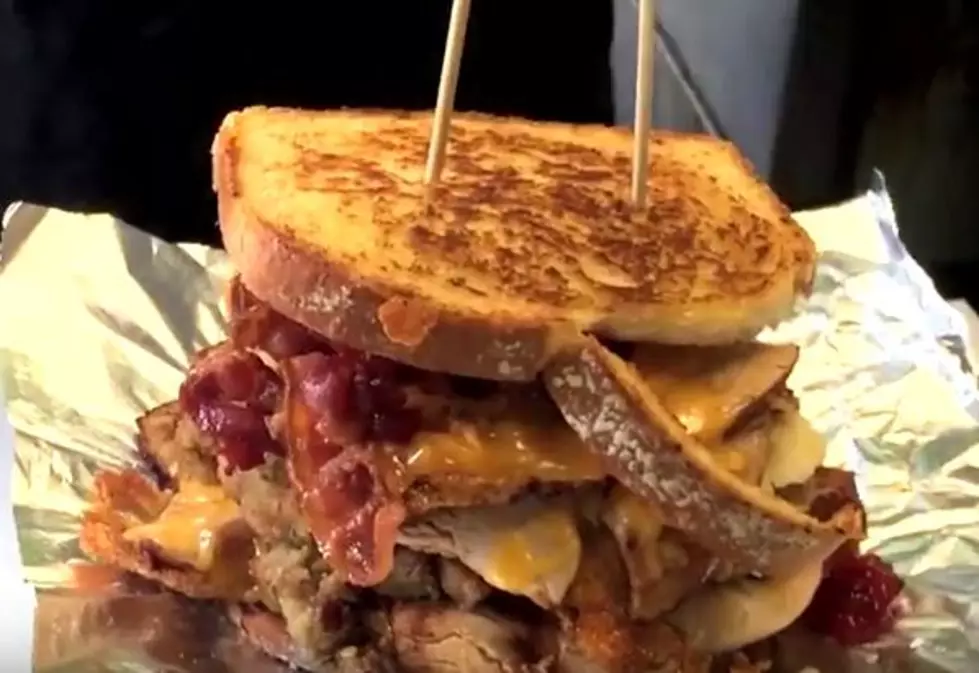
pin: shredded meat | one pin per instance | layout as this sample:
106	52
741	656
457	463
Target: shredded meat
442	639
268	503
599	636
363	660
268	633
171	444
461	584
663	565
289	570
412	577
314	604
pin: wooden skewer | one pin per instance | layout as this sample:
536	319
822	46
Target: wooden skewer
644	102
447	90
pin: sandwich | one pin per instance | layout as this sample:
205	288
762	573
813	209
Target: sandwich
502	423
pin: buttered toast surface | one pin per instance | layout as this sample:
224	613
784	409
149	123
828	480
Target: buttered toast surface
529	225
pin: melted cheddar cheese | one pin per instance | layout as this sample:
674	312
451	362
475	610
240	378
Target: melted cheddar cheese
505	451
626	511
188	529
637	526
538	549
706	389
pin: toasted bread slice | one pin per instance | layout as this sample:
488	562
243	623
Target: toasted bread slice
528	236
607	403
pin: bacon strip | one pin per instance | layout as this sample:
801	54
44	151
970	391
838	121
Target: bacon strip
335	405
228	393
334	408
255	325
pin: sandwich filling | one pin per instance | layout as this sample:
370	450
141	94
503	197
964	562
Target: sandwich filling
342	497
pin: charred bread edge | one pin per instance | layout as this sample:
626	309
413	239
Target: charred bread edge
605	402
334	301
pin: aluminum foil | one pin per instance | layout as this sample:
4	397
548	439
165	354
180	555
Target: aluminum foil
99	321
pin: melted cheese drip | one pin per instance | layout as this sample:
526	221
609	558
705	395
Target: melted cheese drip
510	451
706	389
188	529
543	546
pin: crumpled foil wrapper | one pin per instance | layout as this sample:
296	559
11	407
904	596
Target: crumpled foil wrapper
99	321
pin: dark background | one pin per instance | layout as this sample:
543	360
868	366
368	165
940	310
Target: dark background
893	86
113	105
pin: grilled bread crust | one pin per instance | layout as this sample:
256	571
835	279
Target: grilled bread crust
613	411
527	240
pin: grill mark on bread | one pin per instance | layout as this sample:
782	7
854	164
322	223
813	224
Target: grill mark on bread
522	202
528	233
309	290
